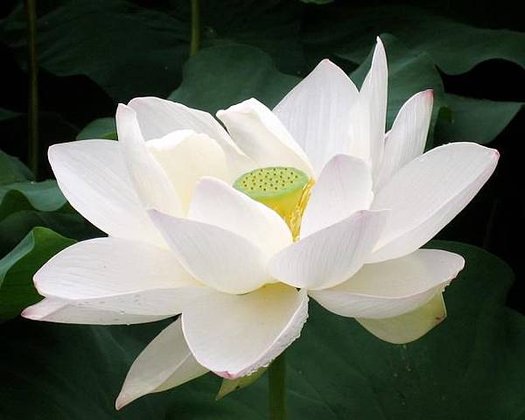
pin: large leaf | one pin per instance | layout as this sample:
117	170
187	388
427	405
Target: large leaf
25	205
454	46
455	118
477	120
12	170
44	196
18	267
127	50
101	128
221	76
471	366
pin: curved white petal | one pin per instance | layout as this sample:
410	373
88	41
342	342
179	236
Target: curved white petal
150	180
392	288
159	117
428	193
344	187
329	256
93	177
233	336
317	113
406	140
120	275
410	326
69	312
216	203
368	115
219	258
260	134
165	363
187	156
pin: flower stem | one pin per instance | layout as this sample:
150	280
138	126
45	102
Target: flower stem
33	87
195	27
277	384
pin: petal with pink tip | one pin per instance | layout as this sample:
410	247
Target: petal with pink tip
392	288
234	336
406	140
428	193
165	363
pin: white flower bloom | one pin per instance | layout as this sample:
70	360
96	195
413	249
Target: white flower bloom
234	229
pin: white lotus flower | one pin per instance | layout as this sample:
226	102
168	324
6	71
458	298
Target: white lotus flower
310	199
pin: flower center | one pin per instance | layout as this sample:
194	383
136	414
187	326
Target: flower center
284	190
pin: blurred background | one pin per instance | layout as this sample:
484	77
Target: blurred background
93	54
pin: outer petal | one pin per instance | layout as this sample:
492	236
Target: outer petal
93	177
368	116
69	312
165	363
235	335
216	203
410	326
151	182
329	256
159	117
392	288
428	193
118	275
344	187
260	134
187	156
317	112
406	140
219	258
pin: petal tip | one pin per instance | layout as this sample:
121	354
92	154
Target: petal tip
226	374
122	400
429	92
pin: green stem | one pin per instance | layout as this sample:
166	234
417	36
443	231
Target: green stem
195	27
277	384
33	87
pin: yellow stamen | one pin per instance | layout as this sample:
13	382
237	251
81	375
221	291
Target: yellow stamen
284	190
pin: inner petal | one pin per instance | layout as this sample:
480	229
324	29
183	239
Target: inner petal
187	156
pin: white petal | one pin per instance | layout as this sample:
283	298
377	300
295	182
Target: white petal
329	256
317	113
187	156
410	326
165	363
150	180
392	288
119	275
219	258
93	177
368	116
159	117
344	187
428	193
235	335
68	312
216	203
406	140
262	137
